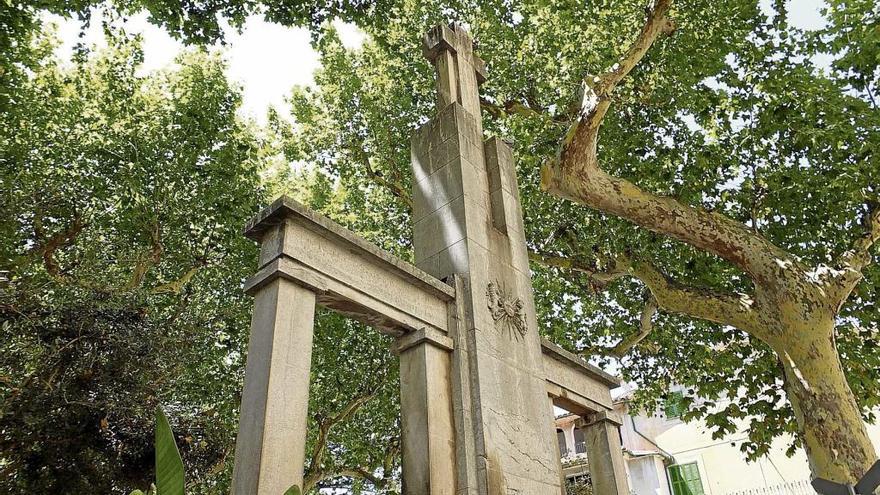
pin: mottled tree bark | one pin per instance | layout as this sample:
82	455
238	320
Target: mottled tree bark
829	419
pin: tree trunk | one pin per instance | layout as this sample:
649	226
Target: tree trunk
830	421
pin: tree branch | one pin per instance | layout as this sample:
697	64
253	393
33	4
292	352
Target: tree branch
736	310
859	256
602	275
575	174
315	473
48	247
176	286
395	188
150	259
531	109
724	308
852	262
657	23
359	472
645	327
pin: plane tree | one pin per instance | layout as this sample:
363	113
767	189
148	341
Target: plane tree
121	270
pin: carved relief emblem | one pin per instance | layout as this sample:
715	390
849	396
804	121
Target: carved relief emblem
507	312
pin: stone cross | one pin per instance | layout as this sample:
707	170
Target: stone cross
477	383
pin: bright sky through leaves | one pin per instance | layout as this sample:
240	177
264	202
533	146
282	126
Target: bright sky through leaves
266	59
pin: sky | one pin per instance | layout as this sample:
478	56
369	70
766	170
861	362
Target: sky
269	59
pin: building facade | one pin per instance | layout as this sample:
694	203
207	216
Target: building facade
666	456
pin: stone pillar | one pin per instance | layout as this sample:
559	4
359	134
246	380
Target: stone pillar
468	223
553	426
271	441
604	454
427	425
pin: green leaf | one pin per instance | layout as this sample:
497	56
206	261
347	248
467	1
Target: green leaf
169	466
293	490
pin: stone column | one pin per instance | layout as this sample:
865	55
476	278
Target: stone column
604	454
468	223
427	425
553	426
271	441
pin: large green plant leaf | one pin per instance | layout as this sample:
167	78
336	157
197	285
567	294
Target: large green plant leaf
169	466
293	490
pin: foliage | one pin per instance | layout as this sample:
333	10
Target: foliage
578	486
734	112
124	196
169	465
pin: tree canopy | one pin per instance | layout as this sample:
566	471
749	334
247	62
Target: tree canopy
123	261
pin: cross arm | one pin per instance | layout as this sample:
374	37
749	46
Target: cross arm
347	273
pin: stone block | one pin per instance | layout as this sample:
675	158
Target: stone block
437	190
454	259
440	229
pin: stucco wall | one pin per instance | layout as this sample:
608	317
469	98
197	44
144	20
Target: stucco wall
723	468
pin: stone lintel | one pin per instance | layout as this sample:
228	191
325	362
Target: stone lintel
553	351
287	209
384	311
572	401
422	336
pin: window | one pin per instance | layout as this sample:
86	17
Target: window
674	406
685	479
580	444
560	439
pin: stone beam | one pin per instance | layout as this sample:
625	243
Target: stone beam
573	384
346	273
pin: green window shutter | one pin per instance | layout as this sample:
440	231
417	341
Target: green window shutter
685	479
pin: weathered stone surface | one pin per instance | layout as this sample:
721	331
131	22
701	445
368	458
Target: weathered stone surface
607	468
574	384
482	243
426	413
271	439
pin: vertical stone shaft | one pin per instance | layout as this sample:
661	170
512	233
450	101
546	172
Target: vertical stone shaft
458	70
607	467
552	419
271	442
468	223
427	425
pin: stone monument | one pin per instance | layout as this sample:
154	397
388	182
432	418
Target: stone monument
477	383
